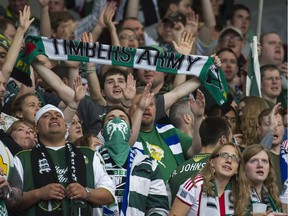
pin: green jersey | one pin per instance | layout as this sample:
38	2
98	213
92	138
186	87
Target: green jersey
155	146
185	171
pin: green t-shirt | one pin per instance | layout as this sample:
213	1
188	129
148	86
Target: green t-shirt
155	147
185	171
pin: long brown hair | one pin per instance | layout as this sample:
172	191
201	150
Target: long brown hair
253	107
240	187
254	149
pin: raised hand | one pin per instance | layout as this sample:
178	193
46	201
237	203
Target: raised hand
186	43
24	19
273	117
44	3
109	12
130	91
197	106
217	60
146	97
80	90
192	21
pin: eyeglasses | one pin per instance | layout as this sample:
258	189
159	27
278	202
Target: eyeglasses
226	155
128	37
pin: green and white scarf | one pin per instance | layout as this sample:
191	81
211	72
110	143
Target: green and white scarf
168	62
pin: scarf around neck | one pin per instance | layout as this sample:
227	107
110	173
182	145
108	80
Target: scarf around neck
45	173
210	205
266	199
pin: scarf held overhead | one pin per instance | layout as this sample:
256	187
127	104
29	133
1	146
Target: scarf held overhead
168	62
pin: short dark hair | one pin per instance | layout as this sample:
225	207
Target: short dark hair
110	72
264	68
59	16
237	7
177	110
226	49
212	128
4	23
116	108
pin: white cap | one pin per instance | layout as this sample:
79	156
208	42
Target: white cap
45	109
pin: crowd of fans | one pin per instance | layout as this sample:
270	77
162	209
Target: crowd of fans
93	139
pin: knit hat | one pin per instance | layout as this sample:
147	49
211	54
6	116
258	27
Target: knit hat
45	109
4	42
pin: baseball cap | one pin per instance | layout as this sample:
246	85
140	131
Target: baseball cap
45	109
231	29
175	17
4	42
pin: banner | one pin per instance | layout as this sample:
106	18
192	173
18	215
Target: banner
253	81
167	62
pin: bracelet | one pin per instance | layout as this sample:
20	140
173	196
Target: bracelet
72	108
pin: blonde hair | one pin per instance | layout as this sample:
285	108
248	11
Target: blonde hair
240	187
249	125
269	182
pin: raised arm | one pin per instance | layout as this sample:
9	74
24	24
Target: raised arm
132	8
184	47
12	54
266	141
49	77
197	107
89	22
137	111
92	78
80	92
108	16
180	91
45	24
209	22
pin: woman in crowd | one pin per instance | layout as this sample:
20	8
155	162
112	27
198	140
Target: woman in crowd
75	129
260	172
25	108
220	188
22	134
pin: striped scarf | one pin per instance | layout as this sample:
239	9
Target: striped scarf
170	137
168	62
